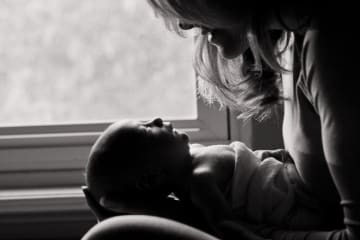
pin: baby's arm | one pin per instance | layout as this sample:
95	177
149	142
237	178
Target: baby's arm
213	169
208	197
212	203
213	172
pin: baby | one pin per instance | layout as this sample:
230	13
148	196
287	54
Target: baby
134	159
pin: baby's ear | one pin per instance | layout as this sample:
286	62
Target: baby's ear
125	205
108	202
122	204
99	211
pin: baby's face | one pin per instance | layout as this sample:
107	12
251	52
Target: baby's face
156	134
131	152
165	148
162	132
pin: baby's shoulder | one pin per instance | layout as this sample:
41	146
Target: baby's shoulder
214	158
214	162
217	151
241	150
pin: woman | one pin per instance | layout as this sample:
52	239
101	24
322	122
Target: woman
239	63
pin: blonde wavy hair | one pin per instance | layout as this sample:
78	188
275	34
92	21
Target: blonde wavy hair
250	83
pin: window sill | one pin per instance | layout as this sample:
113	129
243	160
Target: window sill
44	213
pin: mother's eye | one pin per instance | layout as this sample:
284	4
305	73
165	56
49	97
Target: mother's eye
186	26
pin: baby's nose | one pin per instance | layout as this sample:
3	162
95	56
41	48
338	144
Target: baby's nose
157	122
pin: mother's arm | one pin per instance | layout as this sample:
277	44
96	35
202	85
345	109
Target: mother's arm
332	65
335	91
281	155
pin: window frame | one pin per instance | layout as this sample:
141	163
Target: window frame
39	151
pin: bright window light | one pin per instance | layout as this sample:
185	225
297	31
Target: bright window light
66	61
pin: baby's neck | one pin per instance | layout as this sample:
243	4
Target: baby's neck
182	186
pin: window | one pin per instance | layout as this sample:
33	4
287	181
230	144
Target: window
66	61
67	70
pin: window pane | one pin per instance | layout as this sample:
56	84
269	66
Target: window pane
91	60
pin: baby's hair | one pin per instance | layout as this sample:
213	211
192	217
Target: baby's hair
116	166
104	173
111	161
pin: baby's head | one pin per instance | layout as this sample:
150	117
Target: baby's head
135	157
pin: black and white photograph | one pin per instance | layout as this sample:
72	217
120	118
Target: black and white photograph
179	120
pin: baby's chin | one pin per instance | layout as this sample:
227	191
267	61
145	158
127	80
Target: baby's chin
182	136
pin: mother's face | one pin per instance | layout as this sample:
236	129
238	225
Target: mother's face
229	42
228	33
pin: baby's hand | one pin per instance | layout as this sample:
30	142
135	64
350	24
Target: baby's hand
279	154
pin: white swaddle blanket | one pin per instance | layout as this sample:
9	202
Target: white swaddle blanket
261	190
